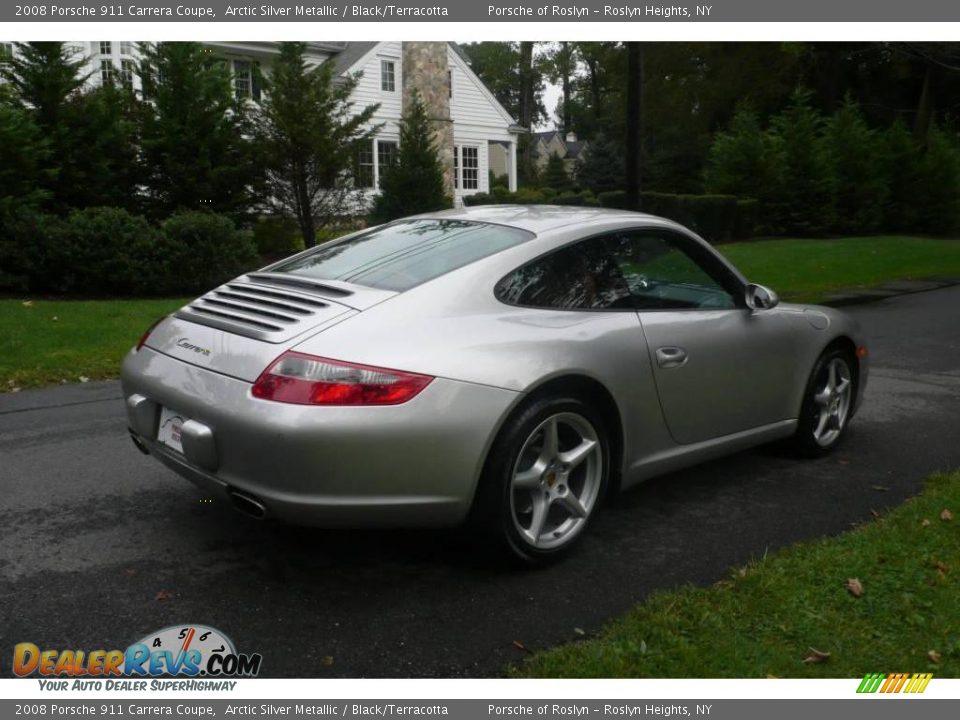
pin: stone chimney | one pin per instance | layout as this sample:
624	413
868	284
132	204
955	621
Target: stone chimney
425	71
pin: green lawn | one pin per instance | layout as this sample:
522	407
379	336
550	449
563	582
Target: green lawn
44	342
805	270
765	618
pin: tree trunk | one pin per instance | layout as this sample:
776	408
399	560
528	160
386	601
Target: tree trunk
925	105
566	55
305	211
634	89
526	108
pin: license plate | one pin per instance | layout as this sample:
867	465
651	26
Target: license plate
171	424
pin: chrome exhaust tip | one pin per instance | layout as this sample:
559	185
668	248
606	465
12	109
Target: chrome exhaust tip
248	505
138	442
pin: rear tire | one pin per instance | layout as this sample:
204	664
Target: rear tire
827	404
543	481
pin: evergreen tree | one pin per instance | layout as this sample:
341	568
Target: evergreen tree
197	150
860	180
804	187
24	162
413	183
310	138
739	162
600	168
555	174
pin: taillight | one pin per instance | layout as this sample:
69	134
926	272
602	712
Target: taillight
146	333
308	380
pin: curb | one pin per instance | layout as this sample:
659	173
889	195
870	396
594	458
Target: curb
887	290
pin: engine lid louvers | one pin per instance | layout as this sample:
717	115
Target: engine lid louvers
269	313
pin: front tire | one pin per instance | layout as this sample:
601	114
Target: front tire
827	404
545	477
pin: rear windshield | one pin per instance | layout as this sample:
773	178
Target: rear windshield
404	254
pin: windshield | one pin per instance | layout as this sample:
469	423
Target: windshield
404	254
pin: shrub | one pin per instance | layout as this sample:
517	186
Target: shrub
616	199
277	237
25	235
712	216
483	199
200	250
95	251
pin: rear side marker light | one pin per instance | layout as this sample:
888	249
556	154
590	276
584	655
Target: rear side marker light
146	334
861	352
304	379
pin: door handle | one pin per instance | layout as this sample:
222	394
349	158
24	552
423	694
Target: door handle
671	357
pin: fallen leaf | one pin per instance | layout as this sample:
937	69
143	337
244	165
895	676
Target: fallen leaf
934	656
16	389
130	571
579	631
55	318
879	488
924	523
327	661
27	303
855	587
772	677
520	646
84	379
163	595
816	656
946	515
874	513
941	568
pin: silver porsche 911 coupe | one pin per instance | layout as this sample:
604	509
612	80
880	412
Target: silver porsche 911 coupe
503	366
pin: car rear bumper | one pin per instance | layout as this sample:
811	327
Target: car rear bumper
415	464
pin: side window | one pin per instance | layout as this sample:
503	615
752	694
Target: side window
643	270
583	276
666	271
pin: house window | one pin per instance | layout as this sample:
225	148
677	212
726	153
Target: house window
364	171
386	154
106	48
388	76
127	70
466	167
107	72
126	48
246	83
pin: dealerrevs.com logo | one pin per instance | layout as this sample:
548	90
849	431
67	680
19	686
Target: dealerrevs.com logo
179	650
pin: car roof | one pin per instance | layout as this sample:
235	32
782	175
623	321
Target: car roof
539	218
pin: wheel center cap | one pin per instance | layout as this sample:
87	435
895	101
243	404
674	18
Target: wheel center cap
550	478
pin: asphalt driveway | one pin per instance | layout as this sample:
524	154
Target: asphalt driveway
100	545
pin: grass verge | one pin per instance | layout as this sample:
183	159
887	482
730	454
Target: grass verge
765	618
44	342
806	270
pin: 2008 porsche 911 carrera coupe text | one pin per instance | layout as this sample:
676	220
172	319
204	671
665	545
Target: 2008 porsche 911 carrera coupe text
501	366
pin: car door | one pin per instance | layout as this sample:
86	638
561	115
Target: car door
720	368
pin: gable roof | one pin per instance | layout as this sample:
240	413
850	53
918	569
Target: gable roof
354	53
350	55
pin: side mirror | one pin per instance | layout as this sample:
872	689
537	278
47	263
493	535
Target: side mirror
759	297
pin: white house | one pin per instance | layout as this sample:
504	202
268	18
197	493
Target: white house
480	125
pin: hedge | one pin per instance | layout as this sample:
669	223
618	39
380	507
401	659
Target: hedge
110	252
716	217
